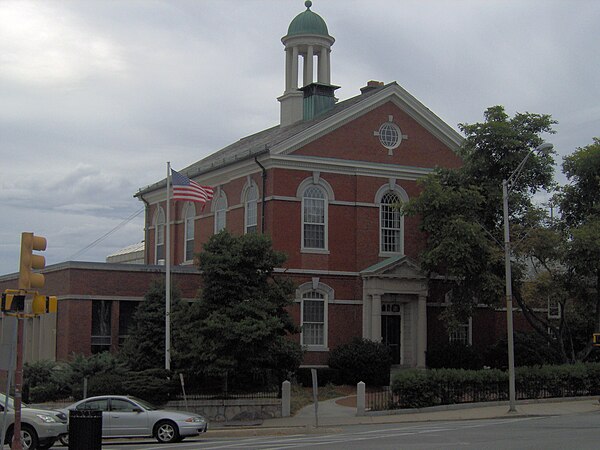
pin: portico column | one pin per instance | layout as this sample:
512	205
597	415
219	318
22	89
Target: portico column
366	319
376	318
421	331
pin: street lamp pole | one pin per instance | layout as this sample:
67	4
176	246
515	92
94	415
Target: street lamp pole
506	187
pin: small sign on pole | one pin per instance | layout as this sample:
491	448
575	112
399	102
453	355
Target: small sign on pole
315	384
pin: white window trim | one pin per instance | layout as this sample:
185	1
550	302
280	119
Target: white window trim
391	187
244	200
189	206
325	187
328	296
469	332
216	211
157	225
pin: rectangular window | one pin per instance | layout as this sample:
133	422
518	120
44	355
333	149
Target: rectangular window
461	334
251	217
313	319
314	223
189	239
101	325
390	229
160	244
126	312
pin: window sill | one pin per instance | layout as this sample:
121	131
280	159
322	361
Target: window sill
315	251
316	348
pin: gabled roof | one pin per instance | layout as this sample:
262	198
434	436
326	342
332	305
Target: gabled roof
394	266
282	140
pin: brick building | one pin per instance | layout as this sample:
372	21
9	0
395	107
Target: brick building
323	184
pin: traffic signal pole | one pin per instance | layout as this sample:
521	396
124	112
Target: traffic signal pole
16	442
27	280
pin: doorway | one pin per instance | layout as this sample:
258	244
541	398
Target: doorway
390	335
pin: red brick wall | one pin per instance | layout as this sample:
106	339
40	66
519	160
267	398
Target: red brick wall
355	141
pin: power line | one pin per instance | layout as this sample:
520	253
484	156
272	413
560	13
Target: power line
101	238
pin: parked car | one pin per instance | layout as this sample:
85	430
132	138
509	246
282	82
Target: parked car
125	416
40	428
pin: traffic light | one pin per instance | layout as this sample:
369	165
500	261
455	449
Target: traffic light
596	339
30	261
43	304
12	302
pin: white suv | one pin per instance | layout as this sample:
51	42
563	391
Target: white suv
40	428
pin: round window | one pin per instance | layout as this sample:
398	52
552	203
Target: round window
390	135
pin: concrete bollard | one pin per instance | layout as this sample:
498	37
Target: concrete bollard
286	395
360	399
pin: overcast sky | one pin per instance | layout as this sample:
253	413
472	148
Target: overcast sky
96	96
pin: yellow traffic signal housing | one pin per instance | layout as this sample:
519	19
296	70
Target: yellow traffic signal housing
30	261
596	339
43	304
12	302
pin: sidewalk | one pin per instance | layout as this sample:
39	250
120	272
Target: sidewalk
332	415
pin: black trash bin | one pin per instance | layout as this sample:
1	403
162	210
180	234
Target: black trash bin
85	430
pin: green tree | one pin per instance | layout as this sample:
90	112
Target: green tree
239	324
579	203
461	209
144	347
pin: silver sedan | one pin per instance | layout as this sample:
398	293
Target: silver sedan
125	416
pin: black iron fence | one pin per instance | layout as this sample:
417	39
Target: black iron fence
448	394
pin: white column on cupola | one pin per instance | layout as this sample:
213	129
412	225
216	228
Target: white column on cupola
323	67
294	75
308	66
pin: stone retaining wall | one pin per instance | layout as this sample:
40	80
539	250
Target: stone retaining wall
216	410
231	410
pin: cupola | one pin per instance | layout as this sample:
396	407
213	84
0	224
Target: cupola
309	39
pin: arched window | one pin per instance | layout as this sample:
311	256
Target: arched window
220	213
314	218
159	237
190	214
314	298
390	224
251	208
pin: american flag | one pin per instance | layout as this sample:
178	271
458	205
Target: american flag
188	190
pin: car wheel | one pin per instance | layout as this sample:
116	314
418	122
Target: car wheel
29	438
64	440
166	432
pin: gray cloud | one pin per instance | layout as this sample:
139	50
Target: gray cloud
97	96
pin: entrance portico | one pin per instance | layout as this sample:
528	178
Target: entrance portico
395	309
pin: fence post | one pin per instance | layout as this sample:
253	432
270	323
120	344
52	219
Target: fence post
285	398
360	399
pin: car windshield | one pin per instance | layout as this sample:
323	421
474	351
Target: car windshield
144	404
11	401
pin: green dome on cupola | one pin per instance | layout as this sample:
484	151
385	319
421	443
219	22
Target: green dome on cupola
308	22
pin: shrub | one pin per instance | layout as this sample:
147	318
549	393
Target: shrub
325	376
362	360
530	350
454	356
418	388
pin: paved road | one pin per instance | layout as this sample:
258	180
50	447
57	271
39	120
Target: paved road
576	431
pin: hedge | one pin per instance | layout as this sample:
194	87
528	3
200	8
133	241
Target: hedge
420	388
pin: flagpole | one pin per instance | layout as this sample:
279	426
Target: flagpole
168	274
